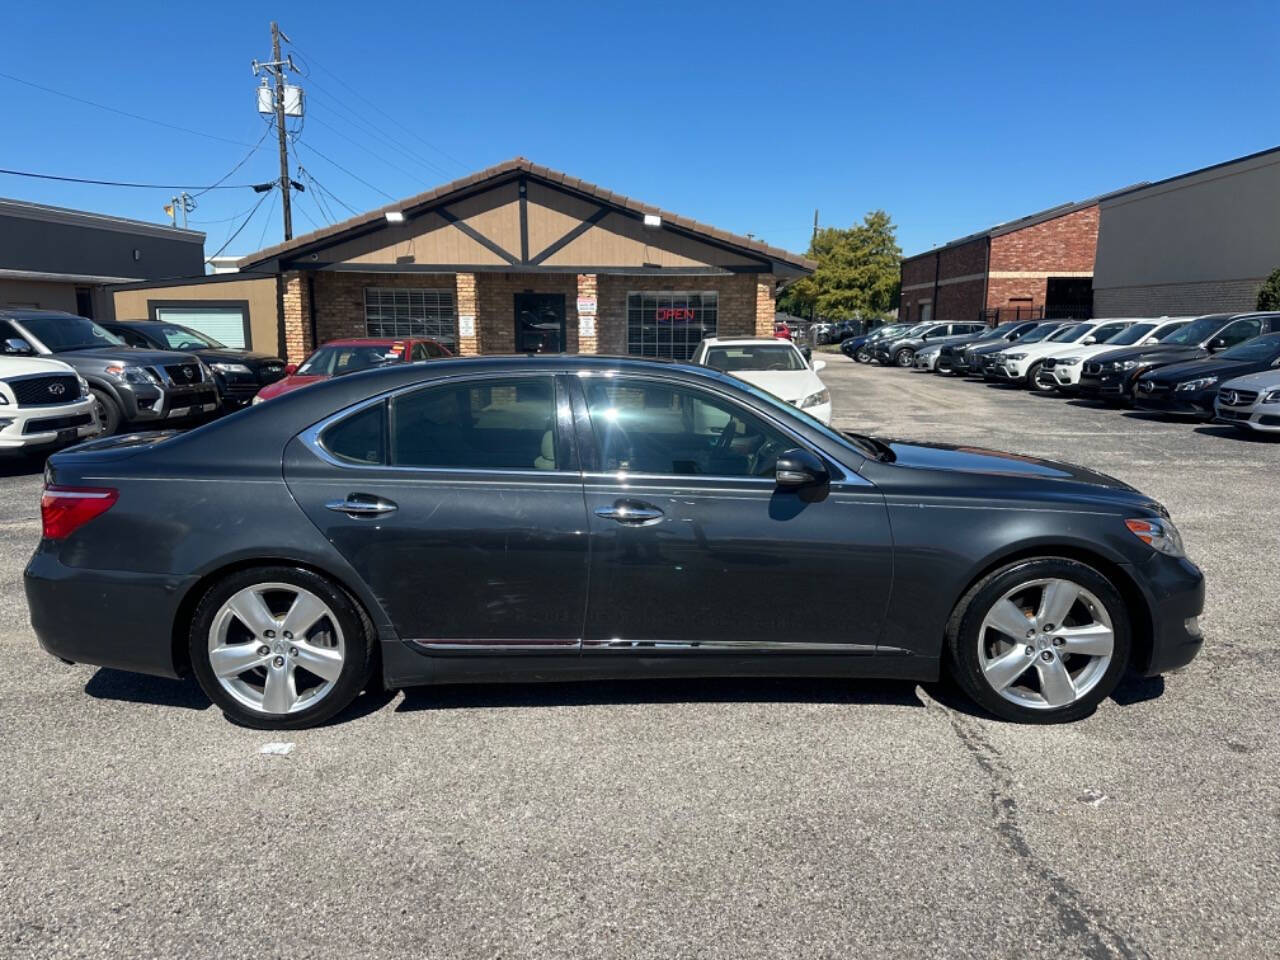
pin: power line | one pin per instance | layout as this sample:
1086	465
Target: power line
233	236
347	172
373	153
124	113
306	62
211	223
266	223
376	131
255	149
330	194
122	183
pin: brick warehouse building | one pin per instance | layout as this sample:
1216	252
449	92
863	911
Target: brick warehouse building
516	257
1040	265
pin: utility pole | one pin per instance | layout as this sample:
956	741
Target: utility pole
815	223
276	67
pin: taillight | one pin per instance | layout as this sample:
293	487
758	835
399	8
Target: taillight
63	510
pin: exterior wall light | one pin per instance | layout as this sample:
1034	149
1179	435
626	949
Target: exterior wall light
395	216
652	220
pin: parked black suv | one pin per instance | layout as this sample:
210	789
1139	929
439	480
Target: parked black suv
1113	376
1191	387
951	359
239	374
133	388
979	359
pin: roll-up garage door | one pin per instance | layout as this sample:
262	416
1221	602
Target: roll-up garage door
224	324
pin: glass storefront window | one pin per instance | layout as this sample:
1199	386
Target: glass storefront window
669	323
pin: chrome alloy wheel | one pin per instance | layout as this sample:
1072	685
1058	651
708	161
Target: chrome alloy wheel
276	648
1045	643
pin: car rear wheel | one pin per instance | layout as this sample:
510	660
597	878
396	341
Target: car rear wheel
862	355
107	411
905	357
1040	641
280	647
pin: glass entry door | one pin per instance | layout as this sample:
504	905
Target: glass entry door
539	323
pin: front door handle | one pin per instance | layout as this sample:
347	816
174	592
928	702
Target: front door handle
361	505
633	512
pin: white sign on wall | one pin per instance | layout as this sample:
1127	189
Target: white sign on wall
467	325
586	326
586	305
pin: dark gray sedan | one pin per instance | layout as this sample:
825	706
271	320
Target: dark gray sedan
555	517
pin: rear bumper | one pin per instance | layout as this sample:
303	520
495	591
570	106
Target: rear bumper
106	618
1174	589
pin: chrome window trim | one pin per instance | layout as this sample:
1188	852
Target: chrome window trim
618	644
310	437
502	646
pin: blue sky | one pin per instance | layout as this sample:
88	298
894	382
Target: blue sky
950	116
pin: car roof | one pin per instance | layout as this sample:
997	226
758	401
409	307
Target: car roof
18	313
370	341
723	341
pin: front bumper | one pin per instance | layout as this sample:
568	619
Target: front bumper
1197	403
102	617
927	361
1174	590
36	427
1109	383
1263	417
1011	371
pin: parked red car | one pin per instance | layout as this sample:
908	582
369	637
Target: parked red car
338	357
781	330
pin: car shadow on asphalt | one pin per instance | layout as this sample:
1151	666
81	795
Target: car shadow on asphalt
108	684
630	692
1244	436
1130	690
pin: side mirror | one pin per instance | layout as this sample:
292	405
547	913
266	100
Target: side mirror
290	369
806	351
819	365
16	345
1217	343
1089	341
800	468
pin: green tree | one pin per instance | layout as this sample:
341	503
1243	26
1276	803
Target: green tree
857	272
1269	295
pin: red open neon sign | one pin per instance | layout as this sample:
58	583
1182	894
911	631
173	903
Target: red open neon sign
674	313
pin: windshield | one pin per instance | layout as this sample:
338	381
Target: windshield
337	360
184	338
63	333
1038	334
995	333
753	356
1260	349
888	331
1132	335
1197	331
1069	334
862	447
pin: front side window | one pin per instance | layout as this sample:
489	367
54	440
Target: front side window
1240	331
1069	334
643	426
499	424
406	312
1104	333
1258	350
1197	331
754	356
184	338
670	324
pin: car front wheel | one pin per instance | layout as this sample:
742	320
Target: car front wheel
905	357
862	355
1040	641
280	647
1034	382
107	411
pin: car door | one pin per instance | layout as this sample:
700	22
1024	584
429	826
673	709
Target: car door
694	548
459	502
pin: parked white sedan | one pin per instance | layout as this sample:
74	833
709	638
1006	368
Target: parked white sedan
772	365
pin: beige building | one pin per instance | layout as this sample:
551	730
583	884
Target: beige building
517	257
1198	243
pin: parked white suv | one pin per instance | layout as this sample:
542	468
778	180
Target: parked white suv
43	404
772	365
1021	363
1062	370
1251	402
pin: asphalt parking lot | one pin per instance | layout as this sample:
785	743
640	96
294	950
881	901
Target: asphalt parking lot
709	819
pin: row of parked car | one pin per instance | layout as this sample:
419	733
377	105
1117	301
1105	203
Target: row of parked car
1221	366
65	378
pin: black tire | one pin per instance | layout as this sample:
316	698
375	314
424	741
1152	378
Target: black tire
962	638
1033	380
108	412
862	355
358	638
906	357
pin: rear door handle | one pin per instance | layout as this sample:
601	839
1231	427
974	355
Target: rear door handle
632	512
361	505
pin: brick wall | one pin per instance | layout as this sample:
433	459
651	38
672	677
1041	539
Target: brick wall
1177	299
588	286
961	270
765	303
1062	245
340	298
465	301
295	314
737	302
496	310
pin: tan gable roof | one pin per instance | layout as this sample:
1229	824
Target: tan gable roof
442	194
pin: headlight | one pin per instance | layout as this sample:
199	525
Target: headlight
1160	535
1071	362
84	385
1124	365
230	368
131	374
1013	356
1198	384
1271	396
816	399
256	399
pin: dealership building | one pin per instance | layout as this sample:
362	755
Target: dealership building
514	258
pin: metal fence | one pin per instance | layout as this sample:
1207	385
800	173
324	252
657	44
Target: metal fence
997	315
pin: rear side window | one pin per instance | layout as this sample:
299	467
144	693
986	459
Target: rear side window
360	438
1240	331
500	424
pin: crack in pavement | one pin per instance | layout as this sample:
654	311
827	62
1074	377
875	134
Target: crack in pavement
1075	917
